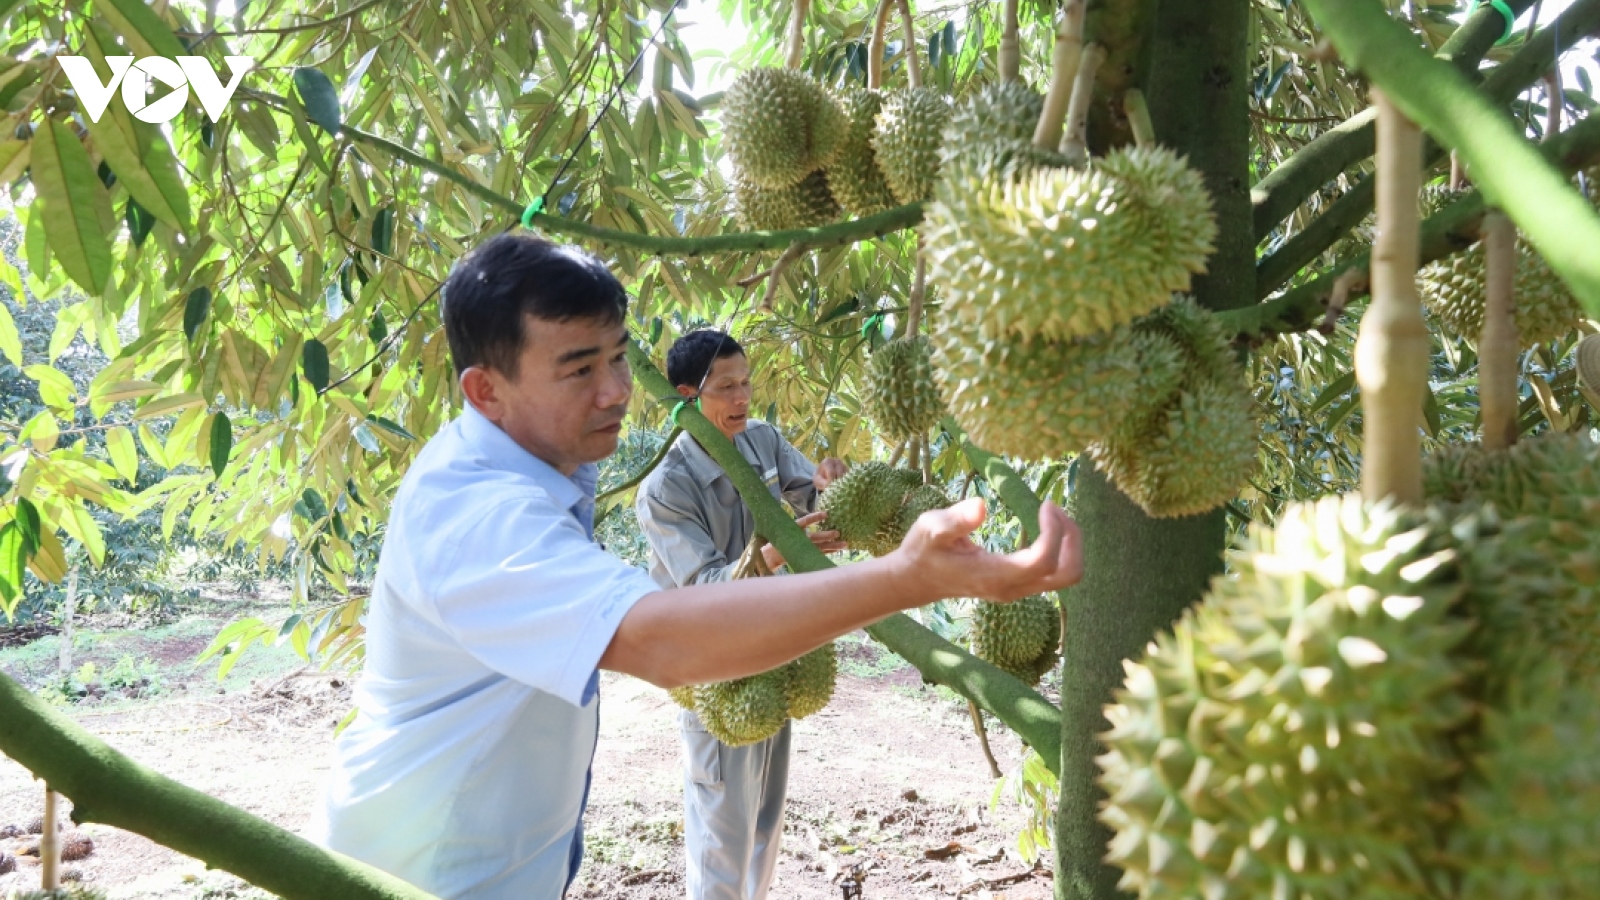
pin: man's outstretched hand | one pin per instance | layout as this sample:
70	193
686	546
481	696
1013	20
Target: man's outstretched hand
938	558
826	541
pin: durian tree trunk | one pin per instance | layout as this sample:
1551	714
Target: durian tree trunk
1141	573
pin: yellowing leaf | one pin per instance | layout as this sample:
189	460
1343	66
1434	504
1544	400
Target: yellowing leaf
124	455
70	194
136	151
42	431
127	390
10	341
50	563
152	447
167	405
79	523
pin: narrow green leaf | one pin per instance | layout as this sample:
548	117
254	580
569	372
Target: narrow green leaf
383	231
152	447
13	561
55	388
10	341
195	310
68	189
221	442
377	329
365	438
136	151
28	520
391	427
142	28
124	455
139	221
314	362
1335	389
320	99
314	507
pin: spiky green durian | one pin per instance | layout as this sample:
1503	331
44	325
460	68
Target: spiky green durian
809	681
854	176
990	134
1063	253
899	392
805	204
780	125
1194	455
906	141
1529	811
1291	735
1586	363
1454	291
1035	399
862	503
744	710
916	501
1022	637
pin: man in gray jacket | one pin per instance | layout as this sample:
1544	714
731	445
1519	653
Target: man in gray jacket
698	528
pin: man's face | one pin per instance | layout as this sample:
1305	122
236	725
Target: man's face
571	391
725	398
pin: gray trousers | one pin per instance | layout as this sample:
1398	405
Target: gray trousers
733	801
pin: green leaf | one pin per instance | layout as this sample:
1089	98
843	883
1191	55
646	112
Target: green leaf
311	502
195	310
55	388
383	231
221	442
391	427
28	520
13	562
69	192
314	362
378	329
365	438
124	455
142	28
139	221
320	99
1335	389
152	447
10	341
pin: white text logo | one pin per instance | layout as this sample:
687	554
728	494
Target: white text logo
137	80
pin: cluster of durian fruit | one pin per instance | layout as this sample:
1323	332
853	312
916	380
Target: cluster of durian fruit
1380	701
803	155
747	710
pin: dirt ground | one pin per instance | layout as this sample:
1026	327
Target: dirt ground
888	785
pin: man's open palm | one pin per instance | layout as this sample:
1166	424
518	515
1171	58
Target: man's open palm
941	559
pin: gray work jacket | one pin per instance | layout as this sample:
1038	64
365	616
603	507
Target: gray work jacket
693	518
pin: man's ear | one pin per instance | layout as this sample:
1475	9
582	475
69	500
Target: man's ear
479	386
685	391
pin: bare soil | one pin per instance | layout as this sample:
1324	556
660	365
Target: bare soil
888	785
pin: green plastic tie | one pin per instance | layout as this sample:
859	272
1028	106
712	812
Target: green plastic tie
1501	7
876	319
534	208
673	416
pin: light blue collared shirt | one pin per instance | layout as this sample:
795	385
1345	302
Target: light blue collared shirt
467	768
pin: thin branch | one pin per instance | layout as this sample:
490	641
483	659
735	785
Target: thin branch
50	842
982	732
644	470
1138	113
785	261
1010	47
1075	142
797	33
875	50
1064	71
913	56
1295	120
291	29
1499	342
919	291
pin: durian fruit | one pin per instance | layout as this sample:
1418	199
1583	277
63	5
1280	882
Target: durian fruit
854	176
906	142
990	134
916	501
1454	291
808	684
1529	811
899	392
805	204
863	502
744	710
1189	440
1586	359
1291	736
1022	637
1063	253
1032	398
780	125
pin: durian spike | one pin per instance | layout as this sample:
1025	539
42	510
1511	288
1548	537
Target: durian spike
1499	342
797	33
913	57
1587	357
983	733
50	844
1138	112
1391	359
1075	142
880	25
1010	49
1068	52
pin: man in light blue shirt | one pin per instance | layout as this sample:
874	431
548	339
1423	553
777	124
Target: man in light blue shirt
466	770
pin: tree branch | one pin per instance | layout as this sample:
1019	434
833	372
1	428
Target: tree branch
1281	191
1012	702
1507	168
108	787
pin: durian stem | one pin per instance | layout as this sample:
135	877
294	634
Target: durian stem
1138	112
899	452
1010	44
1392	344
880	28
1458	174
1554	102
982	731
797	33
770	292
50	844
913	56
1075	142
1068	52
919	289
927	460
1499	343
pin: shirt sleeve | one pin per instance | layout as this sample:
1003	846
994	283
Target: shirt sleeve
531	597
794	476
680	536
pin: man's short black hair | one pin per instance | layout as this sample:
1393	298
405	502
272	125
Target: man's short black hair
693	355
511	276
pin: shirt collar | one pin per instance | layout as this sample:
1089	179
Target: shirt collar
501	452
